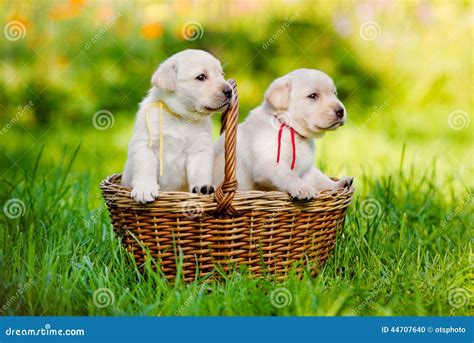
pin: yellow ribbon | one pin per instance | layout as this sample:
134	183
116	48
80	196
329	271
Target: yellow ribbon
162	106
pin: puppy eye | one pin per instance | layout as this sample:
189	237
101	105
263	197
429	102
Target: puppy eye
201	77
313	96
335	92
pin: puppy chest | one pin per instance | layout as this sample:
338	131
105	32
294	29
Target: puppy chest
173	176
297	154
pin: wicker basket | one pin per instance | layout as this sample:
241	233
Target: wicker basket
267	231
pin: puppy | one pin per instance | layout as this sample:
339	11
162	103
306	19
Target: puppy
275	148
186	89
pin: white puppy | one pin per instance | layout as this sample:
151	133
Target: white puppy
275	148
186	89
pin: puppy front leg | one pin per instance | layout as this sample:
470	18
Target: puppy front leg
284	180
144	179
199	170
322	182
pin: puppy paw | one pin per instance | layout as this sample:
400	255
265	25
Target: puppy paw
206	189
303	191
345	182
145	192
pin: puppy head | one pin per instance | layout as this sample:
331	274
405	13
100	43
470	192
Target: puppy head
310	100
192	82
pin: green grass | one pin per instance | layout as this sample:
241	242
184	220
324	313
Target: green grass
402	259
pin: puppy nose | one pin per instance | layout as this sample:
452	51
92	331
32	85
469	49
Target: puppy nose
227	92
340	112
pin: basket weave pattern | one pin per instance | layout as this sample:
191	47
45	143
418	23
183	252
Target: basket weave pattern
267	231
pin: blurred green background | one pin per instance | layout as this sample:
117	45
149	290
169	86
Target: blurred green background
73	73
403	69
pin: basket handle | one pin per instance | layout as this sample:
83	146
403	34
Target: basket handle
226	190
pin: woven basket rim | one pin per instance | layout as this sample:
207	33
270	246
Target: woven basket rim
112	182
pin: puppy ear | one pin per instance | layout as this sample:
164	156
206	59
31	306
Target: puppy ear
278	94
165	76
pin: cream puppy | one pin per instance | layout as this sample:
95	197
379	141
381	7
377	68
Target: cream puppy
275	148
188	87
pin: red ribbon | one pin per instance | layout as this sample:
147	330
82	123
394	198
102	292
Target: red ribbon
293	144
